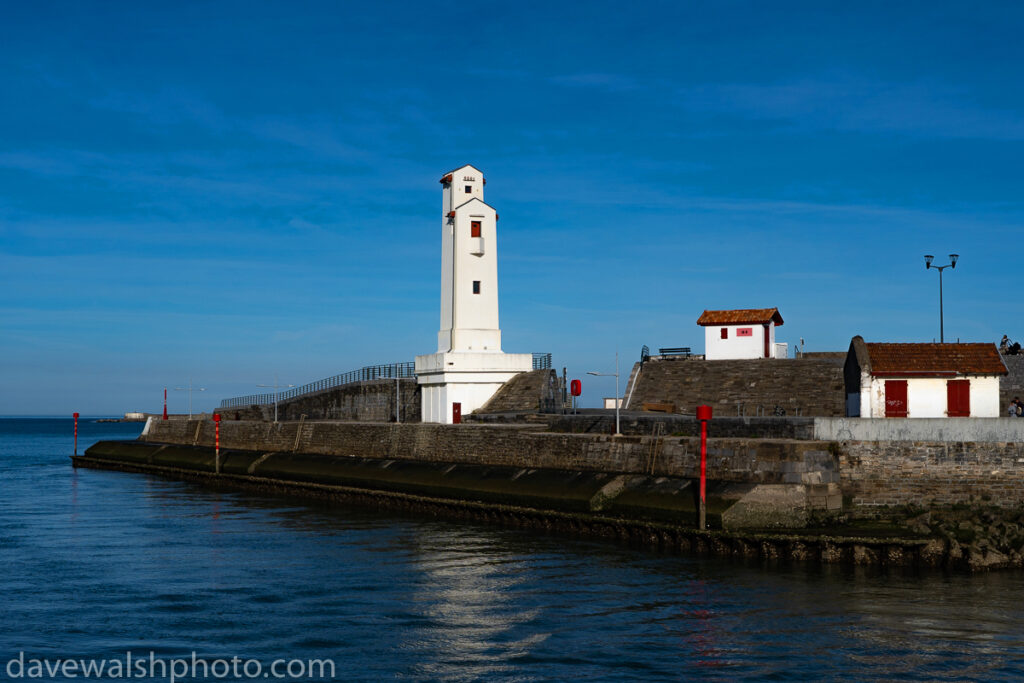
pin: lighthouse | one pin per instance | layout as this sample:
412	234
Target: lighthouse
469	366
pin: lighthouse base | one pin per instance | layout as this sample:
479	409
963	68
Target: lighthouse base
467	378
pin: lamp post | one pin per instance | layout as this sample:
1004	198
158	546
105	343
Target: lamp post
189	389
617	399
276	386
928	258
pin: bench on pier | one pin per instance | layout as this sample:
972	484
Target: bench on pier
678	351
666	407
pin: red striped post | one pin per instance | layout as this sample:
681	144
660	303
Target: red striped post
216	442
76	433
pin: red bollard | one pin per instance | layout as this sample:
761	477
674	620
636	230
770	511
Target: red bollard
576	389
76	433
165	403
704	415
216	443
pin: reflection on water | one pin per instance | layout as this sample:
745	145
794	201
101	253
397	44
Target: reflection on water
473	619
97	563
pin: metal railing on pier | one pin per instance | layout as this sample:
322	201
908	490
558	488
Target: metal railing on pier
365	374
541	361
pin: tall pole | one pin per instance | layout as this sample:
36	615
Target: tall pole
76	433
942	324
618	431
618	399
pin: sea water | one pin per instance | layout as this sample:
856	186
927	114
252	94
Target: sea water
96	566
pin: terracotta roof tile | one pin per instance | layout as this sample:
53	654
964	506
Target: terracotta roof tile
923	359
752	316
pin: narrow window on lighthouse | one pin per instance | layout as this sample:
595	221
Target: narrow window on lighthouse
469	189
476	286
474	229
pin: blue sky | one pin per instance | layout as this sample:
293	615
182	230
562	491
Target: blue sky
225	191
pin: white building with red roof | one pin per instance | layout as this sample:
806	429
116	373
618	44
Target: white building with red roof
741	333
922	380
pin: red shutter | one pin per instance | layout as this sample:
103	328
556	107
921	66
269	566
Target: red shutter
958	398
896	398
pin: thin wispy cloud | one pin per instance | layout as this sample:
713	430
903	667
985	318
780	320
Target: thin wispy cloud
857	105
615	83
166	106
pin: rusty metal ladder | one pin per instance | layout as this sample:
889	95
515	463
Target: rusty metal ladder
657	443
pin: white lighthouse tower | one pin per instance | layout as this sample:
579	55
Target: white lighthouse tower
469	365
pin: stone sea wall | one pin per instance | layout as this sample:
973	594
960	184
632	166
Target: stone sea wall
869	475
656	512
880	474
762	461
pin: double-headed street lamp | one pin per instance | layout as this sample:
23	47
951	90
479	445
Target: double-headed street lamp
617	399
189	389
928	258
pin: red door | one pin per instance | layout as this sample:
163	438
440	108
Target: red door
896	398
958	398
767	343
456	413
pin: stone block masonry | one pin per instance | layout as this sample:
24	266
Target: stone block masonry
1011	385
762	483
750	461
523	392
744	387
928	474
